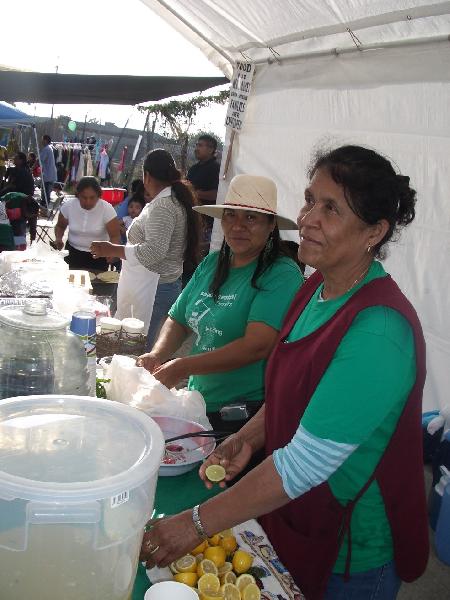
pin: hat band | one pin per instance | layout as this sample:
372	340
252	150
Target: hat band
273	212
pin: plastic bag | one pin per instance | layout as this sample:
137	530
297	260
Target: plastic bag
137	387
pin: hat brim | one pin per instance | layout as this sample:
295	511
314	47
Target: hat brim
216	211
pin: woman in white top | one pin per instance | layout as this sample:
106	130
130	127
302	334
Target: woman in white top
88	218
165	234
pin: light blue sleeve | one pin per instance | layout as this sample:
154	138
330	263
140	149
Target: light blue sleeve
307	461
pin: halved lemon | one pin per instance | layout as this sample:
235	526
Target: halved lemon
243	581
189	579
229	577
217	554
251	592
215	473
208	583
206	567
230	592
210	595
200	548
225	568
186	564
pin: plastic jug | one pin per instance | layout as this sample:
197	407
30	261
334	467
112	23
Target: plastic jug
38	355
442	537
77	484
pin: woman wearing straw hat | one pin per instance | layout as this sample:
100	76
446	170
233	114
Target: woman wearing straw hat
234	304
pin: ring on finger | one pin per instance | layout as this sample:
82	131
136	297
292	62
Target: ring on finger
151	548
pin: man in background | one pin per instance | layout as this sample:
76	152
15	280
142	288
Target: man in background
48	167
204	177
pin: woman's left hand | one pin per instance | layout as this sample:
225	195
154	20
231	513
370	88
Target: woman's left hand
168	540
171	372
102	249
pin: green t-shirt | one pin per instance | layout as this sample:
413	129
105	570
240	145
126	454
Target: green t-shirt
369	379
216	324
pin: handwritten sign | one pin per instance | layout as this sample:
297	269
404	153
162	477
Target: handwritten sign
239	93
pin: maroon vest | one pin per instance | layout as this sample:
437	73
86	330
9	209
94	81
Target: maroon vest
308	532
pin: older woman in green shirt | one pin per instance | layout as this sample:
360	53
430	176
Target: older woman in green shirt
234	304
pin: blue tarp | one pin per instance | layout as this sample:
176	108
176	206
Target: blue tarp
10	116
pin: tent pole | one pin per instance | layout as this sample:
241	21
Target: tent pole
43	191
404	43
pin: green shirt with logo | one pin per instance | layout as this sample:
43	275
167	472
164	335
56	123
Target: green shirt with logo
216	324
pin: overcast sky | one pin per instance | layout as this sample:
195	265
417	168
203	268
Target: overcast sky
99	37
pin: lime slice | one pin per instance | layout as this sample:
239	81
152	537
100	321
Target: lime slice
215	473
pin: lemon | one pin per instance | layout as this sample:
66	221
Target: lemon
210	596
230	592
251	592
225	568
205	567
226	533
244	580
189	579
242	561
186	564
215	473
229	577
217	554
208	583
200	548
214	540
229	544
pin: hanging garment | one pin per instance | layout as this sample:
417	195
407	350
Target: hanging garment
122	158
103	165
80	171
89	165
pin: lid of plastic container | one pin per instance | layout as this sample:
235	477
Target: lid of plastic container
133	325
74	448
110	323
33	315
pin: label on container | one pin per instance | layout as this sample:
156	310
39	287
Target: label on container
120	499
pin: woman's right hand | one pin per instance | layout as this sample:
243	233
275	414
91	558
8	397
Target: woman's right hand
59	244
233	455
149	361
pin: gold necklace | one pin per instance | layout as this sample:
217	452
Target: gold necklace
357	280
363	274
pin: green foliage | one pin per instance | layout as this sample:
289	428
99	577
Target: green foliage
179	114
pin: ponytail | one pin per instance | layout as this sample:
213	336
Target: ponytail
161	165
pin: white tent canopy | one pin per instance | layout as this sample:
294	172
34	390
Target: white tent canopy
355	71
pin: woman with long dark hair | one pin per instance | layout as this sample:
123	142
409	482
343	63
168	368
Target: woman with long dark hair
164	235
234	304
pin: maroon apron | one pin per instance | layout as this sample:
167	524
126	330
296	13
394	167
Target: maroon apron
308	532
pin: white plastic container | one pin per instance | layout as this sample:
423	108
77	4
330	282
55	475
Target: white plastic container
77	484
111	326
133	327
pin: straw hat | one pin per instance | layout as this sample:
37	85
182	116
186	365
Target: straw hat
249	192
